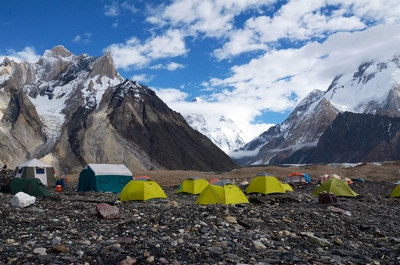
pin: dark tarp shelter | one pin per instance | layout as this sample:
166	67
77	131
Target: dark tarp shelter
33	187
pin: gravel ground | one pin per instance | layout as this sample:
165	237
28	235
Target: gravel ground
291	228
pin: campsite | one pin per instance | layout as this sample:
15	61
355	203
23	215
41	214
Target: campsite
289	228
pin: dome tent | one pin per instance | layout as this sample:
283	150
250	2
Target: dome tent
395	192
142	189
335	186
265	184
222	192
33	187
192	185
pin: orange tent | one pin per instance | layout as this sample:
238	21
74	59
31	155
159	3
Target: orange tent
295	174
295	177
213	180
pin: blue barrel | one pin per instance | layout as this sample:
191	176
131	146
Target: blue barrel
63	183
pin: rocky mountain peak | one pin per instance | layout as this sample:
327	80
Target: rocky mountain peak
58	52
72	110
373	88
105	67
197	99
5	69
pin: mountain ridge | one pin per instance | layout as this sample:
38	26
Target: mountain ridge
373	88
76	110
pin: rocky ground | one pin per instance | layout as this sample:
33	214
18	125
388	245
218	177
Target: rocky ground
292	228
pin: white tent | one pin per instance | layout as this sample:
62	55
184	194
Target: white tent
36	169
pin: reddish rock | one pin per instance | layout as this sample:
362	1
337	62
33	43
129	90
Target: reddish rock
107	211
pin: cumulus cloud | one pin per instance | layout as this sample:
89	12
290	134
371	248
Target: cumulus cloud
172	66
112	10
28	54
142	78
137	54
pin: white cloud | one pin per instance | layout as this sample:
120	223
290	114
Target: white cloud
173	66
28	54
77	39
170	66
142	78
86	38
125	5
111	10
300	20
170	94
134	53
210	17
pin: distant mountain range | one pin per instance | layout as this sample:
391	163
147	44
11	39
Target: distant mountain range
72	110
222	131
355	120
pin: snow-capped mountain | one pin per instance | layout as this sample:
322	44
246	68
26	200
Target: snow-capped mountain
222	131
373	88
72	110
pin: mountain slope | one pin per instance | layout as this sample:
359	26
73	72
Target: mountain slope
358	137
373	88
72	110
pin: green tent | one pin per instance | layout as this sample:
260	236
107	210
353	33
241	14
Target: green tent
265	184
33	187
335	186
104	177
222	192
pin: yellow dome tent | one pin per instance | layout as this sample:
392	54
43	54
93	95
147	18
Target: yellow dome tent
287	187
192	185
141	189
265	184
395	192
335	186
222	192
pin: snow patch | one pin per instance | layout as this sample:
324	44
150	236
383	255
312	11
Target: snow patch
4	78
49	111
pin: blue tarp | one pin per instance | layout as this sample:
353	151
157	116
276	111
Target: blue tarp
306	177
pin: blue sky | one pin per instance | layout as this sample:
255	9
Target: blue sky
251	61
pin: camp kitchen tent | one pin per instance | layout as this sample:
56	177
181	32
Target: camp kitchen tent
142	189
335	186
104	177
192	185
36	169
33	187
297	177
265	184
222	192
